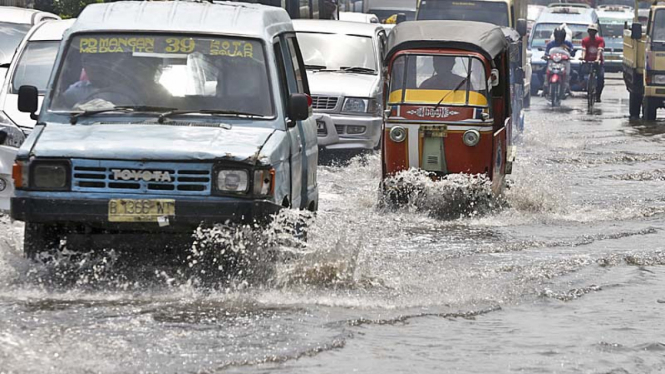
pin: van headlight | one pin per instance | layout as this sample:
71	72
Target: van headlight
659	79
232	180
15	137
49	175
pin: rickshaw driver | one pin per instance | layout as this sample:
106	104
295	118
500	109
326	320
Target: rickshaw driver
443	78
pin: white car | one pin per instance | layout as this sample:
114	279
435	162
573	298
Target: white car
358	17
344	65
31	65
14	25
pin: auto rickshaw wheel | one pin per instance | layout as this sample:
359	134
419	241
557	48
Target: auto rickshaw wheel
649	108
635	105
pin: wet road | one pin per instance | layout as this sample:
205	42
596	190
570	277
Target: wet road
566	277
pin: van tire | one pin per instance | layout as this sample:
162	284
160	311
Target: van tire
649	108
635	105
38	238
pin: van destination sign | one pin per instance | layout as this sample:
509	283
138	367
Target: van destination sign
230	47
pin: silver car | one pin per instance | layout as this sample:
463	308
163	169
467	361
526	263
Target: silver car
344	64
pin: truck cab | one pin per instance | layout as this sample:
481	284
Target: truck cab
644	63
154	123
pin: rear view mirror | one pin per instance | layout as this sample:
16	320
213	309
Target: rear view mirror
520	27
28	100
494	77
298	108
636	31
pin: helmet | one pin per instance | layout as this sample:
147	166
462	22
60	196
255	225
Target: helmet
560	33
592	27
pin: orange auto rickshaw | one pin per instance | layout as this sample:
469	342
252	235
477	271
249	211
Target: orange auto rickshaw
448	100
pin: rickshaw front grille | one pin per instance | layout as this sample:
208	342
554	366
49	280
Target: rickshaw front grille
324	102
100	176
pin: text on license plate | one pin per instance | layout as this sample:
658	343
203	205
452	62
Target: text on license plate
140	210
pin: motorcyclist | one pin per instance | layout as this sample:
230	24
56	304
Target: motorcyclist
592	51
561	42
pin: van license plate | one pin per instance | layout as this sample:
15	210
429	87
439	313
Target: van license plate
140	210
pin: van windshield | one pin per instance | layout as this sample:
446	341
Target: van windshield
102	71
34	67
450	80
468	10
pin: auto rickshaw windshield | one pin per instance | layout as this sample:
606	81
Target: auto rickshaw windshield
174	71
429	79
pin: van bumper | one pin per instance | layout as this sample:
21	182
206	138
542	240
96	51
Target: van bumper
94	211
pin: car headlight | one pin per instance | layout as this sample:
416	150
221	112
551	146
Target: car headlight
233	181
659	79
15	137
361	105
49	175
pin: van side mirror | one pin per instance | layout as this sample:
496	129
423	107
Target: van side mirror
298	108
520	27
28	100
636	31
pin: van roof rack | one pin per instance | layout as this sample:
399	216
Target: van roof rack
569	5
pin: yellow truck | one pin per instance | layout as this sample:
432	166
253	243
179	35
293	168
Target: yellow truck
644	62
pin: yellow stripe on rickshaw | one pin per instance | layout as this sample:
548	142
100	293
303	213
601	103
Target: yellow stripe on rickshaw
416	96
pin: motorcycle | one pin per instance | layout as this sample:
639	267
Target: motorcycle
558	68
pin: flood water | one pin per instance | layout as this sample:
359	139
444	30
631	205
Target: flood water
565	276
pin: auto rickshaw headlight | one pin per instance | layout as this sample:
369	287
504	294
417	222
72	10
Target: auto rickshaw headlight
398	134
471	138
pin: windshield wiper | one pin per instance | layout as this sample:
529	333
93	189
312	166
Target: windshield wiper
451	92
359	69
315	67
212	112
118	108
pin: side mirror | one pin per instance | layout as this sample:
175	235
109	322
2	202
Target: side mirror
520	27
636	31
494	77
401	17
28	100
298	108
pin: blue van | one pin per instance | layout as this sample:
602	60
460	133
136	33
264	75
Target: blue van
160	116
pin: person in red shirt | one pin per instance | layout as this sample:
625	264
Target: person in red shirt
592	50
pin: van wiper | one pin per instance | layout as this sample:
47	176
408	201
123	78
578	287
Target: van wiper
315	67
212	112
359	69
118	108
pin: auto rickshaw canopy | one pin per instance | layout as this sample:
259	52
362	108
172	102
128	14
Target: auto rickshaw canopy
484	38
